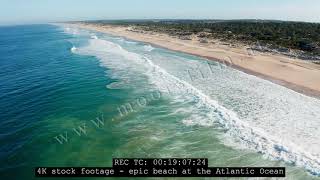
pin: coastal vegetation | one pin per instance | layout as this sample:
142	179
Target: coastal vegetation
299	39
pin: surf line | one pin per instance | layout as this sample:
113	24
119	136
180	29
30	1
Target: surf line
252	137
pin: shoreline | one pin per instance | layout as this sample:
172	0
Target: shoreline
298	75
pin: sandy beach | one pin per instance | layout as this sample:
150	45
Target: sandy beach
298	75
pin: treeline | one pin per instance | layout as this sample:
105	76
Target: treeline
280	34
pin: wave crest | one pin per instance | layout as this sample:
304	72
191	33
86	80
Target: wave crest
250	136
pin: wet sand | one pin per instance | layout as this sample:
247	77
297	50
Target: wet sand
298	75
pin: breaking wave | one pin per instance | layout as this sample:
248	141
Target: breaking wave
93	36
73	49
241	131
148	48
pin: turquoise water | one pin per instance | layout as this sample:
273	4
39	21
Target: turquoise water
55	79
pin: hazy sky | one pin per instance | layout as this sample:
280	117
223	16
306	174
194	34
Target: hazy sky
35	11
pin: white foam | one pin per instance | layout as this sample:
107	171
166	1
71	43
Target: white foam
73	49
148	48
120	39
93	36
74	30
252	134
131	42
197	120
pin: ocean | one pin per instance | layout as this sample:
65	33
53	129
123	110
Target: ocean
74	97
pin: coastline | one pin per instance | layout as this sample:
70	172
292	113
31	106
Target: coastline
298	75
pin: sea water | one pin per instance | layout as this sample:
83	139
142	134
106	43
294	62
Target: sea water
73	97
